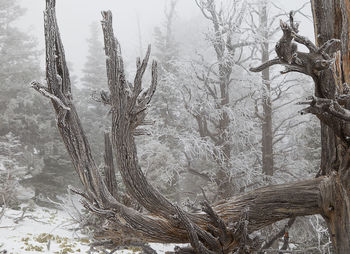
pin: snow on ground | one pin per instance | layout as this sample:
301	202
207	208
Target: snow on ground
43	230
40	230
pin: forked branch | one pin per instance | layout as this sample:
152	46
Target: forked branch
311	63
315	63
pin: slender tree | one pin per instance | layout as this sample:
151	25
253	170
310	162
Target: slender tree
215	87
274	95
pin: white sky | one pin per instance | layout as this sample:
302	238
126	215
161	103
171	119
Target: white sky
75	16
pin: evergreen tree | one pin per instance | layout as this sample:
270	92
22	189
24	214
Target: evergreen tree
94	114
57	171
166	109
19	61
95	77
167	97
24	114
19	65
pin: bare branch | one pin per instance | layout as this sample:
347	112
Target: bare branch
44	91
327	45
266	65
198	247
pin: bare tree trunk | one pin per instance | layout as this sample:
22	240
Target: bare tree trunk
267	135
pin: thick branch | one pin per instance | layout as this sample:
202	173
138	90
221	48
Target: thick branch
266	65
322	105
124	123
77	146
310	64
265	206
274	203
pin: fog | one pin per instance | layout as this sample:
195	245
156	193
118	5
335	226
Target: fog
75	16
212	118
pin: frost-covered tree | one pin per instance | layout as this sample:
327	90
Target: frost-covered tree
215	87
11	170
167	48
225	226
166	109
21	113
24	114
19	65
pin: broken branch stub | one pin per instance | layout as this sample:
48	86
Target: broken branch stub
311	63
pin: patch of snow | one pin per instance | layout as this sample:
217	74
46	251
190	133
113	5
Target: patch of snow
44	230
41	230
162	248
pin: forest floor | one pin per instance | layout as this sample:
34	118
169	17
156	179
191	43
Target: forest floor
34	229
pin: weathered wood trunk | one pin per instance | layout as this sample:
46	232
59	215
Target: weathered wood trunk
226	225
109	170
331	20
330	104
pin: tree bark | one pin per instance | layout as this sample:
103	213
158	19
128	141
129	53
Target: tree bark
267	137
331	20
109	170
226	225
330	104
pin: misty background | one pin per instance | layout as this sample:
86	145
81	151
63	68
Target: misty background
185	154
74	18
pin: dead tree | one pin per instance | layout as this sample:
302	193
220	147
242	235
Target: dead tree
226	225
